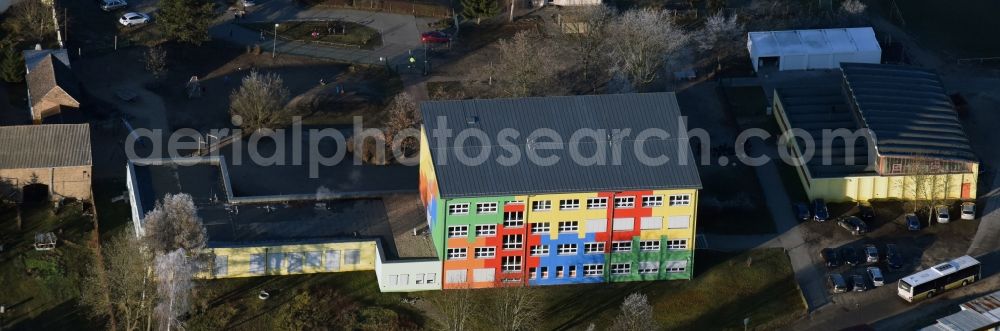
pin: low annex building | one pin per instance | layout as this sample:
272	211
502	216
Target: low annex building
52	89
566	222
905	138
46	162
812	49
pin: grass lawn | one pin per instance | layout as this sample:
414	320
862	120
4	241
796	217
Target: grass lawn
40	288
335	33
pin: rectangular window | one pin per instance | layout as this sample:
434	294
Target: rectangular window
680	200
295	262
418	279
457	231
541	227
486	252
352	256
677	244
593	248
559	271
569	226
458	209
393	280
455	276
649	267
274	262
430	278
457	253
483	275
332	260
513	219
486	230
569	204
572	271
597	203
652	201
566	249
257	264
621	246
221	268
651	223
593	270
621	268
545	272
623	224
532	274
649	245
540	250
314	260
544	205
516	202
486	208
678	222
512	241
511	264
404	279
676	266
594	226
624	202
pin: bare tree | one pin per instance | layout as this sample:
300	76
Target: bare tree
644	39
636	314
403	114
511	308
30	20
174	273
587	39
853	7
174	224
721	35
454	308
156	61
122	287
525	66
260	102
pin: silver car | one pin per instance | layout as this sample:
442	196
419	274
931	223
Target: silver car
968	210
943	216
109	5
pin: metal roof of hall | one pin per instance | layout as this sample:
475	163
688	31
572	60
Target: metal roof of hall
908	110
564	115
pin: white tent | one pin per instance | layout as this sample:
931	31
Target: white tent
813	49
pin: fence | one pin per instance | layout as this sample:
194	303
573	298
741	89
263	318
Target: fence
395	6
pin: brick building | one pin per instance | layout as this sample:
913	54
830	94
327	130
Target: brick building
51	161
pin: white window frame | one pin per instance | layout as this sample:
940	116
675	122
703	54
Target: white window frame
623	246
569	204
649	267
677	244
593	248
458	209
569	226
621	269
649	245
625	202
486	252
649	201
486	230
676	266
541	205
458	231
514	219
539	250
456	276
593	270
510	264
458	253
486	208
679	200
597	203
567	249
651	223
516	241
540	227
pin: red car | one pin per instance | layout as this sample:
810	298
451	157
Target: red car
435	37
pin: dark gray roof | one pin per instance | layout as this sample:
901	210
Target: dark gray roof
50	73
564	116
823	107
908	110
45	146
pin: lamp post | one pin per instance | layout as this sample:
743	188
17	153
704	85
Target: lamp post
274	41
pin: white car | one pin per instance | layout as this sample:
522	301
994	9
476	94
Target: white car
130	19
942	214
249	3
876	275
968	210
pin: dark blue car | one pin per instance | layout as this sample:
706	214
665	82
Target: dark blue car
820	213
912	222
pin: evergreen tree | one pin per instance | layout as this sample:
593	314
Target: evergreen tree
185	20
11	63
480	9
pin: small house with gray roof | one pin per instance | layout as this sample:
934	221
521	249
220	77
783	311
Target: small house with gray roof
53	92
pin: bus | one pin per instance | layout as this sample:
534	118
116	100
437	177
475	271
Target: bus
942	277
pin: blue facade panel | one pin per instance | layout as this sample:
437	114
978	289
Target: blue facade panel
553	261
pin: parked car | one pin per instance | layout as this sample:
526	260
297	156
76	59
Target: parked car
871	254
820	213
831	257
859	283
850	255
435	37
893	258
854	224
802	212
837	283
943	216
912	222
248	3
968	210
133	18
866	213
109	5
876	275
